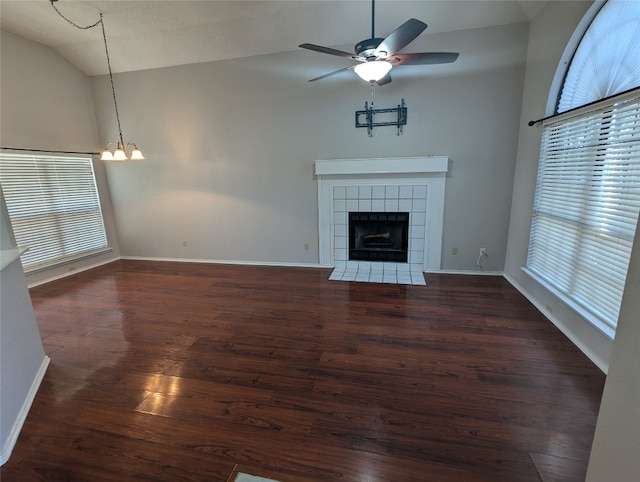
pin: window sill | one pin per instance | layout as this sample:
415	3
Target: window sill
589	317
58	263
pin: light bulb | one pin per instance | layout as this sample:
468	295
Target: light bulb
373	71
119	154
107	155
136	154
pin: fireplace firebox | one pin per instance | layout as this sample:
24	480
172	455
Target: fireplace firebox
379	236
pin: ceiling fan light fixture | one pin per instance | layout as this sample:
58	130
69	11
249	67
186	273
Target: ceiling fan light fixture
373	71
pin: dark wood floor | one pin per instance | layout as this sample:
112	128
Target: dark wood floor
176	371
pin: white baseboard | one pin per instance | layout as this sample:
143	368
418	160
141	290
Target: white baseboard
599	362
465	272
226	261
8	445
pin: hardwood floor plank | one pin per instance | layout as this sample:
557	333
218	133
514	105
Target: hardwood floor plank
179	371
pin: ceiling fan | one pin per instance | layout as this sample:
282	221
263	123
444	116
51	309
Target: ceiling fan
376	56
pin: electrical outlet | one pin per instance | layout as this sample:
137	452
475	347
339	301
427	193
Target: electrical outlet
483	251
306	246
454	251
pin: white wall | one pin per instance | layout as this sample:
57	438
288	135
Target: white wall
47	104
230	147
550	32
616	444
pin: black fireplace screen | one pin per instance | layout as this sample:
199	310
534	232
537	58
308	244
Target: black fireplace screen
379	236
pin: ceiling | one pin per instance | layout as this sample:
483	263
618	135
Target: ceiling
148	34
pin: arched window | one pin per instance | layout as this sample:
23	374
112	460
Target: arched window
607	60
588	188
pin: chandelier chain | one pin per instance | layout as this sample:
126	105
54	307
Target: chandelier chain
113	89
72	22
106	50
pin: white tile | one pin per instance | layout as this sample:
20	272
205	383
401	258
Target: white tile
418	219
339	218
420	192
340	242
405	205
365	265
340	263
419	205
340	254
349	276
391	205
377	266
336	274
389	278
416	231
389	268
352	192
406	192
364	205
405	281
352	265
391	192
403	268
375	278
339	192
416	267
362	276
364	192
416	256
377	192
377	205
352	205
340	205
416	244
340	230
418	279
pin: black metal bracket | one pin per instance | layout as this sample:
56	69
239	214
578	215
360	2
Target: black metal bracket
369	112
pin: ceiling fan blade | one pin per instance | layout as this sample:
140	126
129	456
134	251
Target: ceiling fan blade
400	37
351	67
327	50
384	80
424	58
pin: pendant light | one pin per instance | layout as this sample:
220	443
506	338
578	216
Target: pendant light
120	151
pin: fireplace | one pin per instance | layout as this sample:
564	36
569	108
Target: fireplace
379	236
413	186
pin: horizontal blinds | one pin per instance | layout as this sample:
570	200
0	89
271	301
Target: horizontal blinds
54	207
587	204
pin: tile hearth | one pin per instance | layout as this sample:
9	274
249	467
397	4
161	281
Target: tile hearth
372	272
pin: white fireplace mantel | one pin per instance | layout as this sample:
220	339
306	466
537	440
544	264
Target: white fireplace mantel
427	172
396	165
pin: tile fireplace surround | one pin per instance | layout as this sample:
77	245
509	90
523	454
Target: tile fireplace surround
404	184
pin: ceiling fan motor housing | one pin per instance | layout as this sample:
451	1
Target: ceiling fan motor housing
366	48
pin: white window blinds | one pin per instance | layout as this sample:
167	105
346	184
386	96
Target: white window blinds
54	208
607	60
587	203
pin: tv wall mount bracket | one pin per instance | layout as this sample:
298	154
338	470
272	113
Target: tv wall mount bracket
365	118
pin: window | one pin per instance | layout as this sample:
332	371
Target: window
54	208
588	188
607	60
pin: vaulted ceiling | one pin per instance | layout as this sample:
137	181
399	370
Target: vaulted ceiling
147	34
